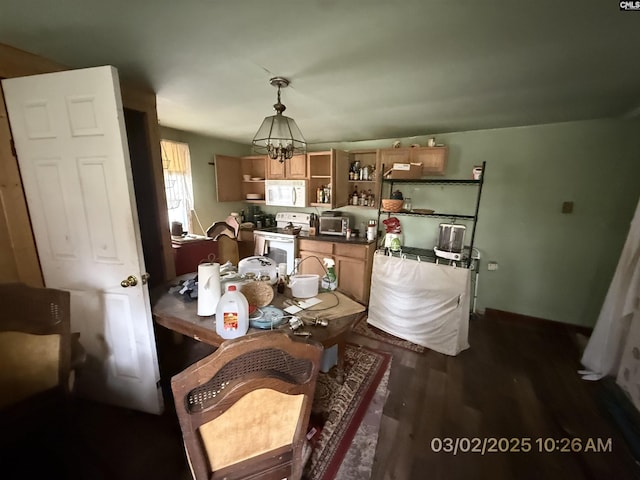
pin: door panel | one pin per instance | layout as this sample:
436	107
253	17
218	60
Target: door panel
72	151
297	167
351	277
51	196
228	178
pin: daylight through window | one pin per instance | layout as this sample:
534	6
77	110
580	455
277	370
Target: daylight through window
176	165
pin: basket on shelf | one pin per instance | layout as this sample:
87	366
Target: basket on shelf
392	205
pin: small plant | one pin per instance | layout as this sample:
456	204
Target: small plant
397	195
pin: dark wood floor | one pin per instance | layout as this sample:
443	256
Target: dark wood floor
516	381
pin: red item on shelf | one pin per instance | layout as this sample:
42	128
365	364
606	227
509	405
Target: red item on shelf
392	225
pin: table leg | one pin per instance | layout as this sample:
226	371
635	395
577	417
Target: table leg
340	365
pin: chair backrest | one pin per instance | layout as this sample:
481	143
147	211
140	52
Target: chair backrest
228	250
244	410
226	237
35	341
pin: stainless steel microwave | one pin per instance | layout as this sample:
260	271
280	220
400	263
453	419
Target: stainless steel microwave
334	225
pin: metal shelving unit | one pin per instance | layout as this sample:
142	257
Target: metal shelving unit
441	182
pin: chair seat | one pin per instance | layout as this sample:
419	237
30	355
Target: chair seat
244	410
35	354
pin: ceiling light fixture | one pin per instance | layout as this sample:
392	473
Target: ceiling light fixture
279	136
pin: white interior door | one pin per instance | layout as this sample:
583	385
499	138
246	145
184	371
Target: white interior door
70	138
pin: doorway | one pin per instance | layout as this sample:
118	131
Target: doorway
145	193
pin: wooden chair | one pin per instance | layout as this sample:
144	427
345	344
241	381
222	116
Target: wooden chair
225	235
244	410
35	357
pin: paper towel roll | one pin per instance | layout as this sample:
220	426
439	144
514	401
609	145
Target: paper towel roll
208	288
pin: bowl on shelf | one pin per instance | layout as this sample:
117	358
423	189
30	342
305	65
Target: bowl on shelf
392	205
255	196
246	178
256	179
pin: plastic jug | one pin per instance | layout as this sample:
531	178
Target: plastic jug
232	314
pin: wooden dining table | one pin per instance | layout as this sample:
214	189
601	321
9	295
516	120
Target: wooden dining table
174	311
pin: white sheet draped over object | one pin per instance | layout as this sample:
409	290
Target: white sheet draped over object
424	303
611	333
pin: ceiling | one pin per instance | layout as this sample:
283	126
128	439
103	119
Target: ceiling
359	70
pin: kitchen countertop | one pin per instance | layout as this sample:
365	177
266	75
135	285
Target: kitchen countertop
338	239
323	238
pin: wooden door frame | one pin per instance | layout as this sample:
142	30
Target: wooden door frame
18	63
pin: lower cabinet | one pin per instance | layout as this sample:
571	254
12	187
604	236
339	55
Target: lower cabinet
353	264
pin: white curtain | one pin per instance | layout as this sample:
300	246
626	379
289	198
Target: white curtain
604	350
176	164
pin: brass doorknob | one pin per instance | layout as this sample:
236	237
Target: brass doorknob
130	281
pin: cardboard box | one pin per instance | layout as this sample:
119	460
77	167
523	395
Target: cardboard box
404	170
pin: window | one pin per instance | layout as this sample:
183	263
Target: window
176	165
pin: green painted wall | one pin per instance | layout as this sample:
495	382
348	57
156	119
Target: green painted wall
202	149
551	265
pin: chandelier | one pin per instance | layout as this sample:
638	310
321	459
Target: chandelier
279	137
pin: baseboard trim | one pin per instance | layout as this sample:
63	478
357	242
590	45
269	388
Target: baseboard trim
495	314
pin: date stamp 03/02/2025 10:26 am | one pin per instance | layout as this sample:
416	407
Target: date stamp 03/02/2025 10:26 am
491	445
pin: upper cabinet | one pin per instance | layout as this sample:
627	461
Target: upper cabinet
328	178
433	159
363	178
294	168
240	178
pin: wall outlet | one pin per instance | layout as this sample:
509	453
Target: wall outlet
567	207
492	266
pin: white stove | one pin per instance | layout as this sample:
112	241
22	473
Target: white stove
281	245
297	219
284	219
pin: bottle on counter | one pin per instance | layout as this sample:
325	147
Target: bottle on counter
282	273
296	265
371	230
330	280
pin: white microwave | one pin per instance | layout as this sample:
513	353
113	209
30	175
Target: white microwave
286	193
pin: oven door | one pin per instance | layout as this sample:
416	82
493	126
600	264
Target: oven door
281	249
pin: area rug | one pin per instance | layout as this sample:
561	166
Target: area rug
358	461
345	445
366	330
